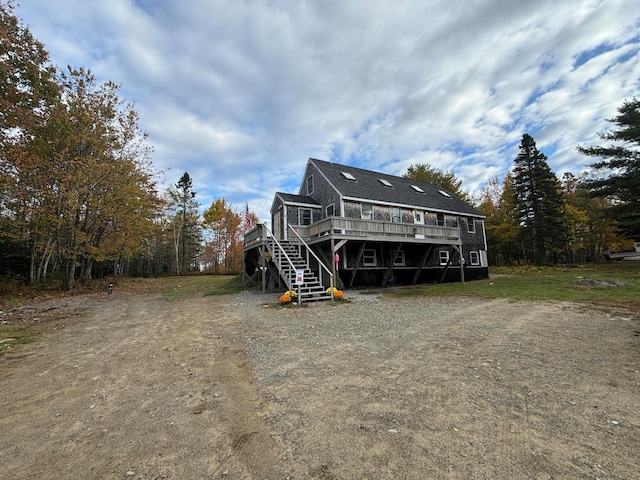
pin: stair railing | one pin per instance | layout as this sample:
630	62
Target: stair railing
317	259
272	240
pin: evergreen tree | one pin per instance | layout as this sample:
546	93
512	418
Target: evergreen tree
618	172
539	204
187	232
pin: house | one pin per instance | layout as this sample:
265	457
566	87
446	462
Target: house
349	227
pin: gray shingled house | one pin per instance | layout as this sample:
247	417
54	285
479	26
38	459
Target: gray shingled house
349	227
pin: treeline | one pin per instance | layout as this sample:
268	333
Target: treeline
78	194
534	217
79	198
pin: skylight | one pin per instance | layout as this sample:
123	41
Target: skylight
446	194
386	183
417	188
348	176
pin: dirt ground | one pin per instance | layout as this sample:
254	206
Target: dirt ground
140	387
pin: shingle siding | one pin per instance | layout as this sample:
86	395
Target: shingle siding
330	187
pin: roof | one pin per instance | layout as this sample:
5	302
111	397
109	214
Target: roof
290	198
374	186
294	199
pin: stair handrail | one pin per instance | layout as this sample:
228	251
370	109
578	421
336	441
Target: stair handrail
293	267
316	257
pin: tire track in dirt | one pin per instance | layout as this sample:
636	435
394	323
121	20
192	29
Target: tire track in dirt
141	388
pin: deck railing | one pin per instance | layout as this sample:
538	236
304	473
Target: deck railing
375	228
257	234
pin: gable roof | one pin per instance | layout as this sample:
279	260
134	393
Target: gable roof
304	199
289	198
363	184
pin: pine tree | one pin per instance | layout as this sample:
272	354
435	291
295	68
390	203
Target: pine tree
187	232
619	168
539	204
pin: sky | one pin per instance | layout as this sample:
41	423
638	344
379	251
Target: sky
240	93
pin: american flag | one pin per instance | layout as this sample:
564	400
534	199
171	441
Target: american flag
247	218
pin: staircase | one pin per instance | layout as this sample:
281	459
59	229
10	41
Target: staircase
288	259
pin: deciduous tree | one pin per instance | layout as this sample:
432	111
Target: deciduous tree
28	91
497	202
226	237
448	180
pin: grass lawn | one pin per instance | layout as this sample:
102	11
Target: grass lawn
588	283
561	283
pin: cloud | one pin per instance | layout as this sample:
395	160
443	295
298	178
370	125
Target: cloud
239	94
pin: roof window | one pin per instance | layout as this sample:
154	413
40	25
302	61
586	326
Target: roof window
417	188
386	183
348	176
446	194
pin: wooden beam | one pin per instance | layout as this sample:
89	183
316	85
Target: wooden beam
446	268
423	261
262	263
357	264
387	274
459	250
341	244
332	262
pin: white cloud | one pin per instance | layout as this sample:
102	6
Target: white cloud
239	94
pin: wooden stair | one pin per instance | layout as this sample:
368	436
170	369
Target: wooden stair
311	289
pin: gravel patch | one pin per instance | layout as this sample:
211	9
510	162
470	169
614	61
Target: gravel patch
422	387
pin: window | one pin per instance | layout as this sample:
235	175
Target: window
399	261
446	194
367	211
304	216
369	258
475	258
444	257
395	215
329	211
417	188
386	183
471	225
309	184
348	176
440	219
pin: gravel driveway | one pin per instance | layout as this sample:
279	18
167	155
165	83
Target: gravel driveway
376	387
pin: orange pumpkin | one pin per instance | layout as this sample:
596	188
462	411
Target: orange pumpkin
284	299
338	295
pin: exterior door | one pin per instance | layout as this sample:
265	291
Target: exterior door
418	219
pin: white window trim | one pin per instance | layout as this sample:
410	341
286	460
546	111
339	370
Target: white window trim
399	261
444	219
471	225
310	180
443	256
477	258
326	210
371	254
362	211
300	210
391	216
